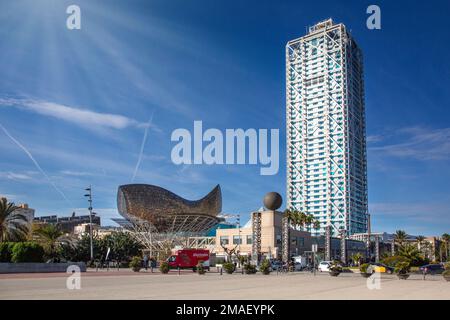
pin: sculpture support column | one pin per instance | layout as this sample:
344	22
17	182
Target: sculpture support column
328	243
256	237
377	249
285	241
343	247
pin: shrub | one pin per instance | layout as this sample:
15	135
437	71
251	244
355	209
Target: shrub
249	268
394	260
336	266
164	267
136	263
228	267
220	260
363	267
265	267
6	251
27	252
200	268
402	267
446	272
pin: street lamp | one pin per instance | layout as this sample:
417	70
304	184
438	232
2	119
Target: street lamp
89	196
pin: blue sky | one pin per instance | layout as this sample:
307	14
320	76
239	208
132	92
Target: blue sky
79	101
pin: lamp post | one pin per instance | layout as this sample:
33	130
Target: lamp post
238	219
89	196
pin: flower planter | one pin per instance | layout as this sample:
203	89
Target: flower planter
365	275
334	273
446	277
403	276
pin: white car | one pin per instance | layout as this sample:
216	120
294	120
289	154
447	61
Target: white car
324	266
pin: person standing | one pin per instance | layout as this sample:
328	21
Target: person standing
145	261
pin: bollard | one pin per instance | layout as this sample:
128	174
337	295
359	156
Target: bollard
242	270
179	270
221	269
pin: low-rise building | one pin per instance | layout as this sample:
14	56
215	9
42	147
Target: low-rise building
68	224
26	211
241	239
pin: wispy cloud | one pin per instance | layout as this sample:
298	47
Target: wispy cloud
411	213
76	173
15	176
35	163
418	143
79	116
374	138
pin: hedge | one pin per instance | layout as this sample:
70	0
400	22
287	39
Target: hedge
27	252
6	251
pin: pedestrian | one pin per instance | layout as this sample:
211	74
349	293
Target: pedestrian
145	261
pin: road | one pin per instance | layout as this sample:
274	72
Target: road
145	285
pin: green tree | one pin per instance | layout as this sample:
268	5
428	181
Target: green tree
420	240
411	253
13	225
356	258
51	238
123	246
446	243
400	237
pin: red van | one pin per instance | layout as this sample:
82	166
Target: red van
189	258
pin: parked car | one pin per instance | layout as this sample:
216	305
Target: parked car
379	267
324	266
276	265
432	269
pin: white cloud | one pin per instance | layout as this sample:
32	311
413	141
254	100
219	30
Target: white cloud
418	143
76	173
78	116
374	138
15	176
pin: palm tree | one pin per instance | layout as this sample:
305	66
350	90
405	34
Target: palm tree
357	258
51	238
411	253
446	240
316	225
13	225
309	220
420	240
400	237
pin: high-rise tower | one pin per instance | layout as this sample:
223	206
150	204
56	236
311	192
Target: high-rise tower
325	128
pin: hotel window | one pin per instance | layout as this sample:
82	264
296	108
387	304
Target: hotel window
224	240
237	240
249	239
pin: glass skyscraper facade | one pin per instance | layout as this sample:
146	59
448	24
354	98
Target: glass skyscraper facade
326	139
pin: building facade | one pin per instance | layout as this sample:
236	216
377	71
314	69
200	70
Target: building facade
26	211
325	118
271	238
68	224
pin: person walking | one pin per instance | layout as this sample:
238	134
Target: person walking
145	261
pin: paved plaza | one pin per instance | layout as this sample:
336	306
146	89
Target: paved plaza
125	284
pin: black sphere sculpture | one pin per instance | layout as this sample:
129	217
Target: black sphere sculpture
272	200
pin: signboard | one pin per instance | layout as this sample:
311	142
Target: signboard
314	247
